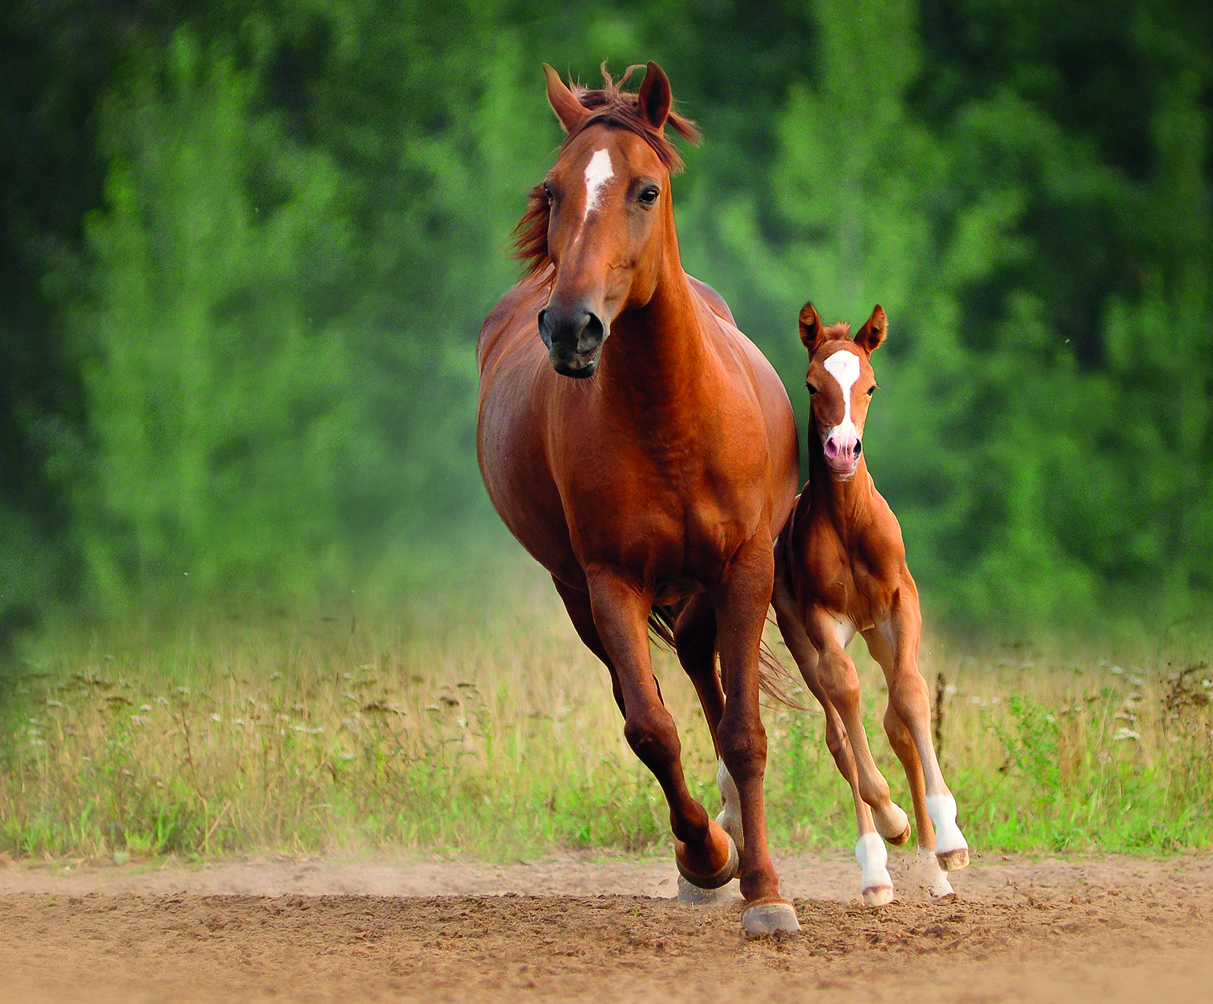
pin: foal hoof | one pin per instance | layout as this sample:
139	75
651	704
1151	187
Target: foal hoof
951	861
769	918
881	895
718	878
893	825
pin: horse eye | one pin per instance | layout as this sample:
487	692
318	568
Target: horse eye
871	390
547	191
812	389
649	196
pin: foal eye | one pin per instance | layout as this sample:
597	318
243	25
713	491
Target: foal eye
871	390
812	389
648	197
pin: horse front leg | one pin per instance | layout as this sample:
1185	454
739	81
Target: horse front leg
741	607
705	854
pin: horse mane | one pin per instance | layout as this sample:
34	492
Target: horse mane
839	329
611	106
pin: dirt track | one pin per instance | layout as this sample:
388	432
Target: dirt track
1111	929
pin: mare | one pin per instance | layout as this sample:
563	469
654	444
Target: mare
645	453
841	569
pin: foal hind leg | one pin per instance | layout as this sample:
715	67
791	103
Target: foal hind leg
876	885
704	852
695	642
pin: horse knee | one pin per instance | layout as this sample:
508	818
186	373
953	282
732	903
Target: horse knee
653	736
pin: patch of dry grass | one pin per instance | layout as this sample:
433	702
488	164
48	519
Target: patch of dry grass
475	722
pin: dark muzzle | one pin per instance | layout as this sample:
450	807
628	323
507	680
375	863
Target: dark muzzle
574	338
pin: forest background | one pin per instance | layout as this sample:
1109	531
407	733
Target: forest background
246	249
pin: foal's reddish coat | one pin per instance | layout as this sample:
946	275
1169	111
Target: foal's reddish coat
646	457
841	569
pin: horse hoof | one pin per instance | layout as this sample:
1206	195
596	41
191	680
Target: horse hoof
951	861
770	918
716	880
691	895
881	895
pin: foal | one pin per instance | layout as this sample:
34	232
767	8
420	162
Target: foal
840	567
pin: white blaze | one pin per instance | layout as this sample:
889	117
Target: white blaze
843	366
597	173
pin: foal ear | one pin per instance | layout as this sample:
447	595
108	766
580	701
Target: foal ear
654	98
810	326
564	102
872	333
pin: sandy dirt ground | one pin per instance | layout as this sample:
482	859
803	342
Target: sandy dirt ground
575	928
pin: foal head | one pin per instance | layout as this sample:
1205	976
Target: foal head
840	382
603	217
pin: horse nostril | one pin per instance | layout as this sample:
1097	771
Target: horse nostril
858	447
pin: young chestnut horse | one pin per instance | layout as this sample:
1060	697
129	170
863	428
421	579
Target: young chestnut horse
644	452
841	568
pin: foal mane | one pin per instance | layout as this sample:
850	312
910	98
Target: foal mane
611	106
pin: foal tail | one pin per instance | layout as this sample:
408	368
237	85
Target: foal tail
774	679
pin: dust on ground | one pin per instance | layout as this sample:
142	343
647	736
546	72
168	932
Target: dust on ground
579	928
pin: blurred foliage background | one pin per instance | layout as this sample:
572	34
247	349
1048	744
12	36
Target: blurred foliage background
246	249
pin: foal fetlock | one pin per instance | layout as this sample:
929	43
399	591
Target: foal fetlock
951	848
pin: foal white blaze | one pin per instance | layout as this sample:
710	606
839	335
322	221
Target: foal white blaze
843	366
598	172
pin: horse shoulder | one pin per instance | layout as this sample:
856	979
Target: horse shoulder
713	299
508	317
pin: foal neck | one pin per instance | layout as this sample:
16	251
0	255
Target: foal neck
843	502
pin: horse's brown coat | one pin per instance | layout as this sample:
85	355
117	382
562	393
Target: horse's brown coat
659	477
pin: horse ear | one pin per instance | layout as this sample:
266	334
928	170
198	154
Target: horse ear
810	326
655	98
564	102
872	333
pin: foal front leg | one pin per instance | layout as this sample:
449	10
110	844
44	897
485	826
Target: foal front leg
705	854
908	698
875	883
934	877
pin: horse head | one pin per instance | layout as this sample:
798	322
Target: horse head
840	382
603	218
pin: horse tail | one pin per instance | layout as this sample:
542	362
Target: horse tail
661	627
774	678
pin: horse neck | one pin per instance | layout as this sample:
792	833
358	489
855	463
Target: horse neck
844	503
658	356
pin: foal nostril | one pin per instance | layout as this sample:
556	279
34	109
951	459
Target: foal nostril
858	447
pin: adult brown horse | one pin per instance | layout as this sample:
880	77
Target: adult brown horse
644	452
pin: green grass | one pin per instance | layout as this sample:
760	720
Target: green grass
473	722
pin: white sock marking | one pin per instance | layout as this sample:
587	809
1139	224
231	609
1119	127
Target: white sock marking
873	858
730	816
597	173
942	810
933	877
